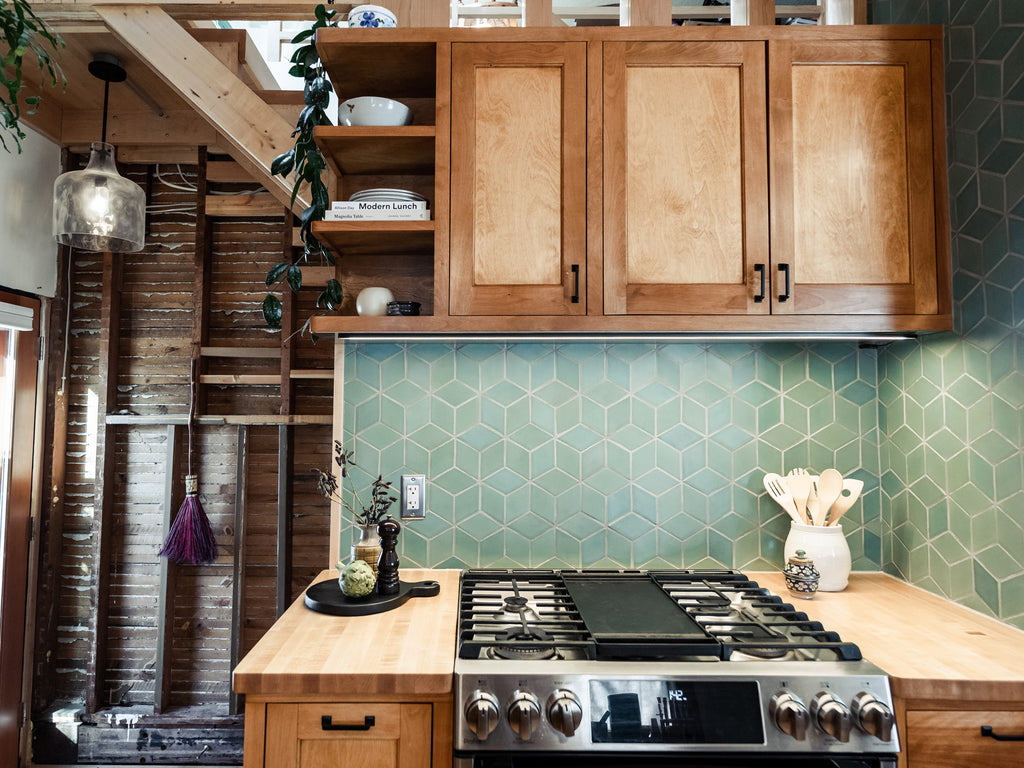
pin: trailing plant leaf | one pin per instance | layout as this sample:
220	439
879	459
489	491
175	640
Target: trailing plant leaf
272	310
276	271
305	164
24	34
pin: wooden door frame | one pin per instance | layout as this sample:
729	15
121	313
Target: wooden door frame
18	531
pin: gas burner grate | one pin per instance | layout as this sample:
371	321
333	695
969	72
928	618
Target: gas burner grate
522	615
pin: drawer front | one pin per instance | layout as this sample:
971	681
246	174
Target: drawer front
955	740
349	721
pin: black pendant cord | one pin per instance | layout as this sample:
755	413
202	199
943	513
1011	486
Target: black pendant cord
106	97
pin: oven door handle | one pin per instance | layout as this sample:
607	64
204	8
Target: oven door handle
327	725
987	731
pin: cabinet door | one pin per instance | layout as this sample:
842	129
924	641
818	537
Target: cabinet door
332	735
685	178
852	176
954	739
518	200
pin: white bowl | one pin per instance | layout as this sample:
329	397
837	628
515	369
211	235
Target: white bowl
373	301
373	110
371	16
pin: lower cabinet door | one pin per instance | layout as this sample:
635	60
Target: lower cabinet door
341	735
956	739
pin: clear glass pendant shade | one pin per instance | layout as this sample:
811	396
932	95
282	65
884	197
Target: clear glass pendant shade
97	209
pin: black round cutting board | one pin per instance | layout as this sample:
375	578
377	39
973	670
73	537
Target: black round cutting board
327	597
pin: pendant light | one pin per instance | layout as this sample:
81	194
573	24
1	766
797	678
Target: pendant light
97	209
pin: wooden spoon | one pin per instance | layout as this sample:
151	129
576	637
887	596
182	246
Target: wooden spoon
845	500
830	485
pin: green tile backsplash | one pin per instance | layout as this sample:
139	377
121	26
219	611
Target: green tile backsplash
952	406
634	454
618	455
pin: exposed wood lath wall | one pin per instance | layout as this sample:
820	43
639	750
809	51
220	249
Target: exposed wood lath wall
175	673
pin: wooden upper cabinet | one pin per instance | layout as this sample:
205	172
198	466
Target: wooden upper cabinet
518	179
852	176
685	178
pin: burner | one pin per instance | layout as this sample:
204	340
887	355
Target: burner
771	654
507	644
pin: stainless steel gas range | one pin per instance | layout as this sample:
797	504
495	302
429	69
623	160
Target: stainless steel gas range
657	668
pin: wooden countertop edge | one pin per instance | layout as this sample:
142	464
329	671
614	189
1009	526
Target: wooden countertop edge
322	684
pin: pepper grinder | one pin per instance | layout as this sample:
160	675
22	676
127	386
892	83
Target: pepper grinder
387	565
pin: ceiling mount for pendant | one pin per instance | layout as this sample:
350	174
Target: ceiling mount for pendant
97	209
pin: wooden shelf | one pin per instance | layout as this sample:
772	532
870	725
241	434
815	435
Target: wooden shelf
251	419
376	64
377	237
407	149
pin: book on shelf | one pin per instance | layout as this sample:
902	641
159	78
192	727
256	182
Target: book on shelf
379	205
335	215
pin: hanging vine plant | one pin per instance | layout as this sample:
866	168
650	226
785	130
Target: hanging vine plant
307	163
24	34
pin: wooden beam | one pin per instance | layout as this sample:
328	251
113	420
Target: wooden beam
255	132
752	13
262	352
645	13
238	558
85	14
289	318
177	126
47	595
103	495
227	171
251	206
202	272
167	583
537	13
285	449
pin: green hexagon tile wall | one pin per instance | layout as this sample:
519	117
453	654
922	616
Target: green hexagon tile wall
652	454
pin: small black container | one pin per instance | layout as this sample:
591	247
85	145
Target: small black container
408	308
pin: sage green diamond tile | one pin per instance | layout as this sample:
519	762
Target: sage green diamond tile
580	437
592	549
481	438
605	392
655	394
681	437
993	447
530	437
938	519
568	415
682	526
998	562
544	550
986	587
555	481
782	437
670	503
504	392
983	476
542	503
694	458
657	481
505	481
542	415
707	481
619	549
1011	594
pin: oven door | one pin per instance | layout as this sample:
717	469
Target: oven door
582	760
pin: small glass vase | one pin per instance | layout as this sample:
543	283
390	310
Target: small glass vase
367	547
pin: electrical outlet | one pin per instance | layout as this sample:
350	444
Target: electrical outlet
414	497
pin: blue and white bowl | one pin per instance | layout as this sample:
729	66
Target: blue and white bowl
371	16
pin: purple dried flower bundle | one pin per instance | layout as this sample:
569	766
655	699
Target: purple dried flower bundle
327	485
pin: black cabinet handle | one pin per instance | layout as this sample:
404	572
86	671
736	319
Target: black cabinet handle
759	296
986	730
575	284
327	725
784	269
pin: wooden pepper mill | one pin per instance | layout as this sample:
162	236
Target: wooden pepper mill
387	565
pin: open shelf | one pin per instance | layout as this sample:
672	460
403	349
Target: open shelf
376	237
407	149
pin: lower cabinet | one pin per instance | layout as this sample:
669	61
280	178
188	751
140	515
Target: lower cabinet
334	734
955	739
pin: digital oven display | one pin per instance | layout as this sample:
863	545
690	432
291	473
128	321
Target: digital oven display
675	712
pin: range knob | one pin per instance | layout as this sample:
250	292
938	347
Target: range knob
524	714
832	716
789	714
565	711
872	716
482	713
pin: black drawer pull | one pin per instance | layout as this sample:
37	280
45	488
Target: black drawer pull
986	730
759	296
327	725
575	284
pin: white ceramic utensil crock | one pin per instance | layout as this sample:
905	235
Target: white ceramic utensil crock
826	546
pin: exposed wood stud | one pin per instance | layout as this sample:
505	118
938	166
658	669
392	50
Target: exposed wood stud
103	499
288	329
752	12
235	701
168	577
645	13
201	279
285	449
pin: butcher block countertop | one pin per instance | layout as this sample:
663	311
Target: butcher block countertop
932	648
408	650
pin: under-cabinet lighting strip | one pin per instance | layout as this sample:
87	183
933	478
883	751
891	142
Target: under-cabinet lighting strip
605	338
